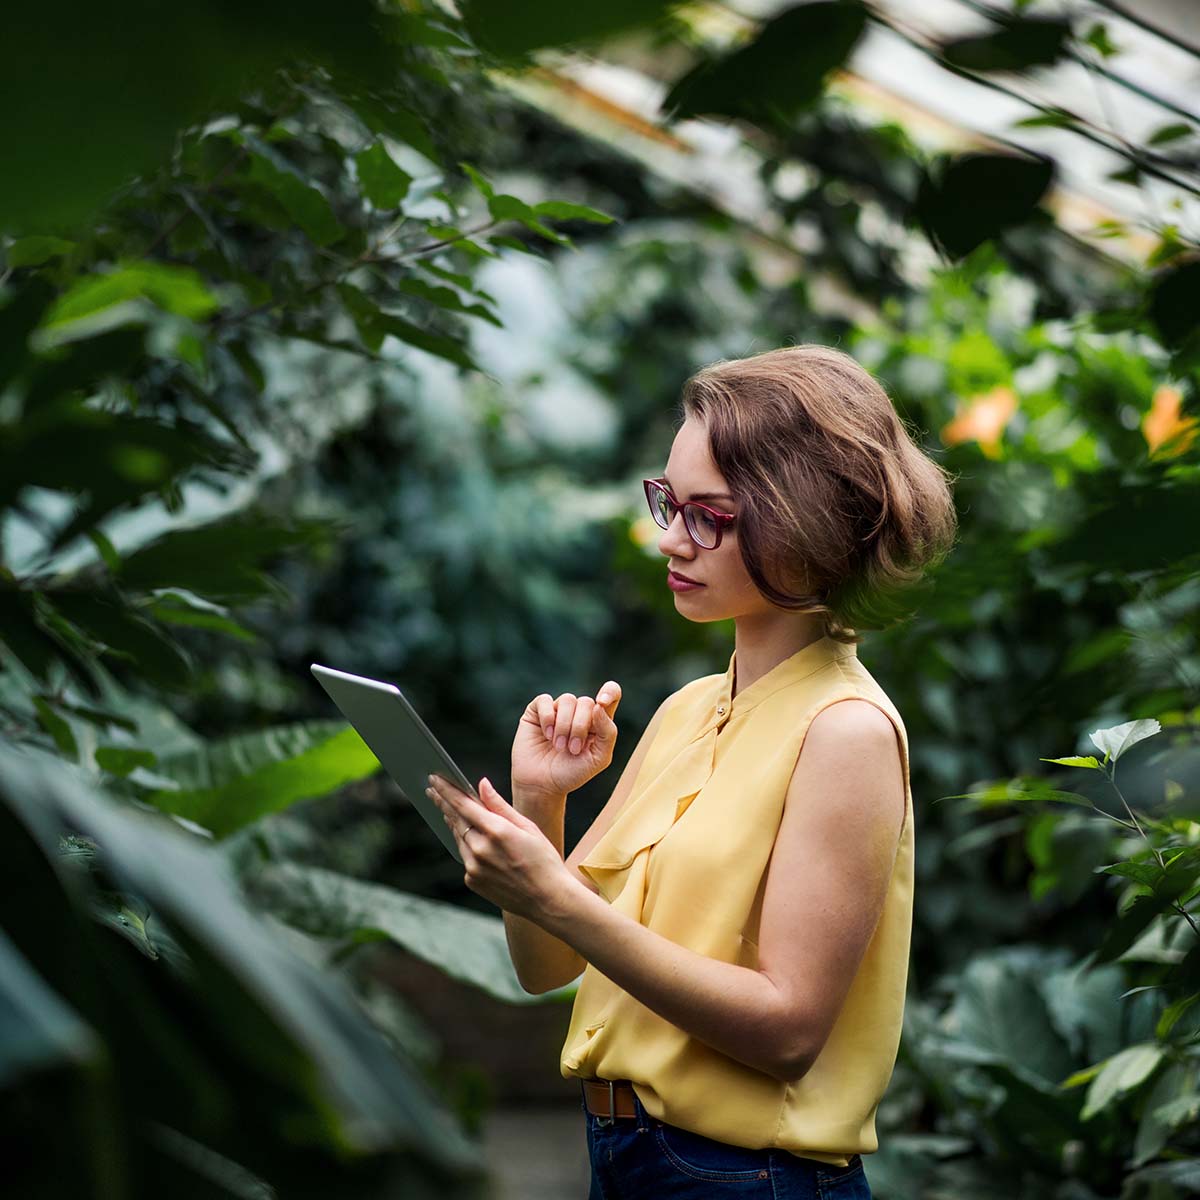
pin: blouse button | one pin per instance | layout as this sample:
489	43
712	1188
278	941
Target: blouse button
720	710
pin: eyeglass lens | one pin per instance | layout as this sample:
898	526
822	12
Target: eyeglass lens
701	527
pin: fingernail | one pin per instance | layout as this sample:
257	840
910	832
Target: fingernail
575	744
560	743
549	733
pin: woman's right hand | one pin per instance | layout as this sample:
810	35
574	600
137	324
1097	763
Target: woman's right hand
543	763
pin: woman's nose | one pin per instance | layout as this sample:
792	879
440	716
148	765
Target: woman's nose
676	542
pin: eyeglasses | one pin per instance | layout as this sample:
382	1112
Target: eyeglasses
704	525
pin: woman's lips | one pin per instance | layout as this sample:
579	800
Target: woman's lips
677	583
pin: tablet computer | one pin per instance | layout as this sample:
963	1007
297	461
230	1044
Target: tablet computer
400	740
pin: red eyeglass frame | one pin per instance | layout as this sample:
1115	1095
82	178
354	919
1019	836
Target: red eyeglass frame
722	518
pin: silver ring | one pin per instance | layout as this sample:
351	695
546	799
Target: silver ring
467	830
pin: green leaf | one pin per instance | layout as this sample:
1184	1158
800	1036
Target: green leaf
101	717
105	548
1074	761
373	324
1022	790
1018	43
39	1031
966	200
365	314
1183	1174
1115	740
261	1020
57	727
468	946
417	29
1171	306
174	289
230	783
478	180
180	607
1166	888
112	96
511	208
1137	530
403	125
1147	873
432	343
511	243
121	760
512	30
445	297
1181	1111
779	73
1097	37
383	182
110	620
457	240
1054	119
1126	1070
221	560
560	210
1172	1013
301	200
21	311
35	250
1077	1078
36	648
1169	1102
1169	133
113	458
1063	847
1082	1008
127	917
999	1008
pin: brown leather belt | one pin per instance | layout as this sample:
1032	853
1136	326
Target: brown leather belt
609	1097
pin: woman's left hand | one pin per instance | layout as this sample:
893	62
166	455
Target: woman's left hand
509	860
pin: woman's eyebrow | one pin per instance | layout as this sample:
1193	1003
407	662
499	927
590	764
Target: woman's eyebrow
701	495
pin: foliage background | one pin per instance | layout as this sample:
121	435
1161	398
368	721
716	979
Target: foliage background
331	348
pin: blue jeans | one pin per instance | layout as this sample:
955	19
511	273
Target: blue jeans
643	1158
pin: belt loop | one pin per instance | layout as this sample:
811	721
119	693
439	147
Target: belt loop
611	1119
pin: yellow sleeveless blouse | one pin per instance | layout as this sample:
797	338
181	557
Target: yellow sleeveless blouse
687	856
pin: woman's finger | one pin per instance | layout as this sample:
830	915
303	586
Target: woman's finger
581	724
603	726
562	725
493	801
463	807
610	696
546	714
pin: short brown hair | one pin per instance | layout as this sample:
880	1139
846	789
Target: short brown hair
839	508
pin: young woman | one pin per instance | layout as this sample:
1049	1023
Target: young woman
741	907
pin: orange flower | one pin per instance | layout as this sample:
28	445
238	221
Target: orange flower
1163	421
983	419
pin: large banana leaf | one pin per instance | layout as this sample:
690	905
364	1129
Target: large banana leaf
468	946
239	1049
226	784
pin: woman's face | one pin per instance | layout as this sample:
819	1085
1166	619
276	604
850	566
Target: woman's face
728	590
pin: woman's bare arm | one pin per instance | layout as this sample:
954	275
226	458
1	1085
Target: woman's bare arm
542	961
